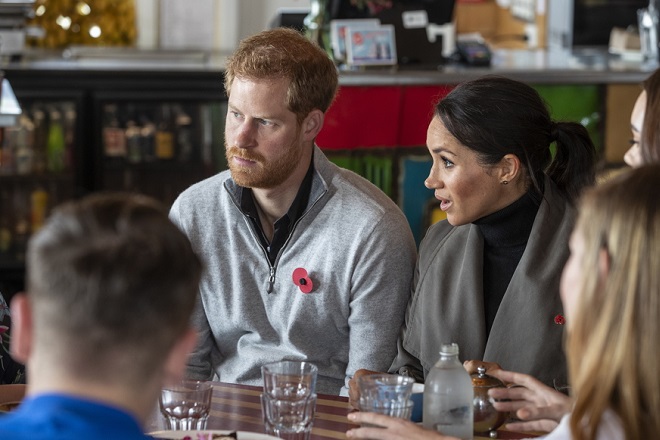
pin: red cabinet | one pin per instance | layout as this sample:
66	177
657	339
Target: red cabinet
381	117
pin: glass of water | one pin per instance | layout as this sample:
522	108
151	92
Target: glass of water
186	405
289	398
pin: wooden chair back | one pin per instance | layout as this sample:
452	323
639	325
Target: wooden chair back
11	396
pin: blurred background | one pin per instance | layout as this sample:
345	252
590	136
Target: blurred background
127	94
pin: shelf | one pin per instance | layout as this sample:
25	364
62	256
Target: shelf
114	165
37	178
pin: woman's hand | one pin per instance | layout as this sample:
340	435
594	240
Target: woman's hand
390	428
354	390
539	407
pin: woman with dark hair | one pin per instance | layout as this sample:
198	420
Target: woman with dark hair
487	278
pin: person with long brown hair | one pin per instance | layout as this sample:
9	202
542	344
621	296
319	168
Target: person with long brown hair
645	124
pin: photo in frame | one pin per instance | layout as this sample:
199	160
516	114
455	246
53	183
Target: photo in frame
371	46
338	33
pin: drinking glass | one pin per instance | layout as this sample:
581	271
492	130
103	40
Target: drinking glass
388	394
290	419
289	398
186	405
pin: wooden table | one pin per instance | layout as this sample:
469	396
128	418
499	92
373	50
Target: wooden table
238	408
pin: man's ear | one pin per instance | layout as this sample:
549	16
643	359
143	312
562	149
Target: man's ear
21	328
509	168
175	364
312	125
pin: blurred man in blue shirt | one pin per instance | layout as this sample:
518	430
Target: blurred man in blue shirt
111	284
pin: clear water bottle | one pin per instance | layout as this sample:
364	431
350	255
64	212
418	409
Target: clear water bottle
448	396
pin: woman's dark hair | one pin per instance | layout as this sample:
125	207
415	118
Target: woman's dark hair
650	145
495	116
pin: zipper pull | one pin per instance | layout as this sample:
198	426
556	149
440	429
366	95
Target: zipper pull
271	280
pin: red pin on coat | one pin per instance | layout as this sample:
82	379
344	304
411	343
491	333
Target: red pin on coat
302	280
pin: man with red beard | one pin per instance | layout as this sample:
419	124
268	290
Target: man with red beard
303	260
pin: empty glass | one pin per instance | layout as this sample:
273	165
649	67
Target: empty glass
186	405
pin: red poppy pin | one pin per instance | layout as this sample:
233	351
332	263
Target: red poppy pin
302	280
560	320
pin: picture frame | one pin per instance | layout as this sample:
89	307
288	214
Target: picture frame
338	30
371	46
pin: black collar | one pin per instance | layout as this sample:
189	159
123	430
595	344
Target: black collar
512	225
284	225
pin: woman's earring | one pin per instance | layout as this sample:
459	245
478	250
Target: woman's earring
505	182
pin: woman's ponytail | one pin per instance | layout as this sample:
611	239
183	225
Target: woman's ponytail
574	165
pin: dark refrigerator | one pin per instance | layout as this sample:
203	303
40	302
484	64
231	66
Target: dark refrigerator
154	132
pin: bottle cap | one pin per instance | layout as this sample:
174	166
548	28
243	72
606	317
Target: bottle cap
448	349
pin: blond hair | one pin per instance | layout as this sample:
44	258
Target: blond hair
612	346
286	53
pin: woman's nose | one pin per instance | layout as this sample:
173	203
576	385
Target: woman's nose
432	181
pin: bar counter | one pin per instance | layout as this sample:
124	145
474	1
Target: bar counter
535	66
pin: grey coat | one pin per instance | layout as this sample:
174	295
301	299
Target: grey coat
358	250
447	304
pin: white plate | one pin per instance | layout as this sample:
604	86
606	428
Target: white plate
207	435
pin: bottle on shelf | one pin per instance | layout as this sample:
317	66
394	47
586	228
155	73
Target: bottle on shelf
184	135
164	147
24	155
39	157
114	140
56	144
206	152
448	396
132	135
8	150
70	116
21	223
38	208
6	222
147	138
133	142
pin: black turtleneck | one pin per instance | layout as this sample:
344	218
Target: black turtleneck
505	235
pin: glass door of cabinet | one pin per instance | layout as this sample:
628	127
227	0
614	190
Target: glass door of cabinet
39	161
159	147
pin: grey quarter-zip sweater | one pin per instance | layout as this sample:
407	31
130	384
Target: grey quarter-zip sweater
358	252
